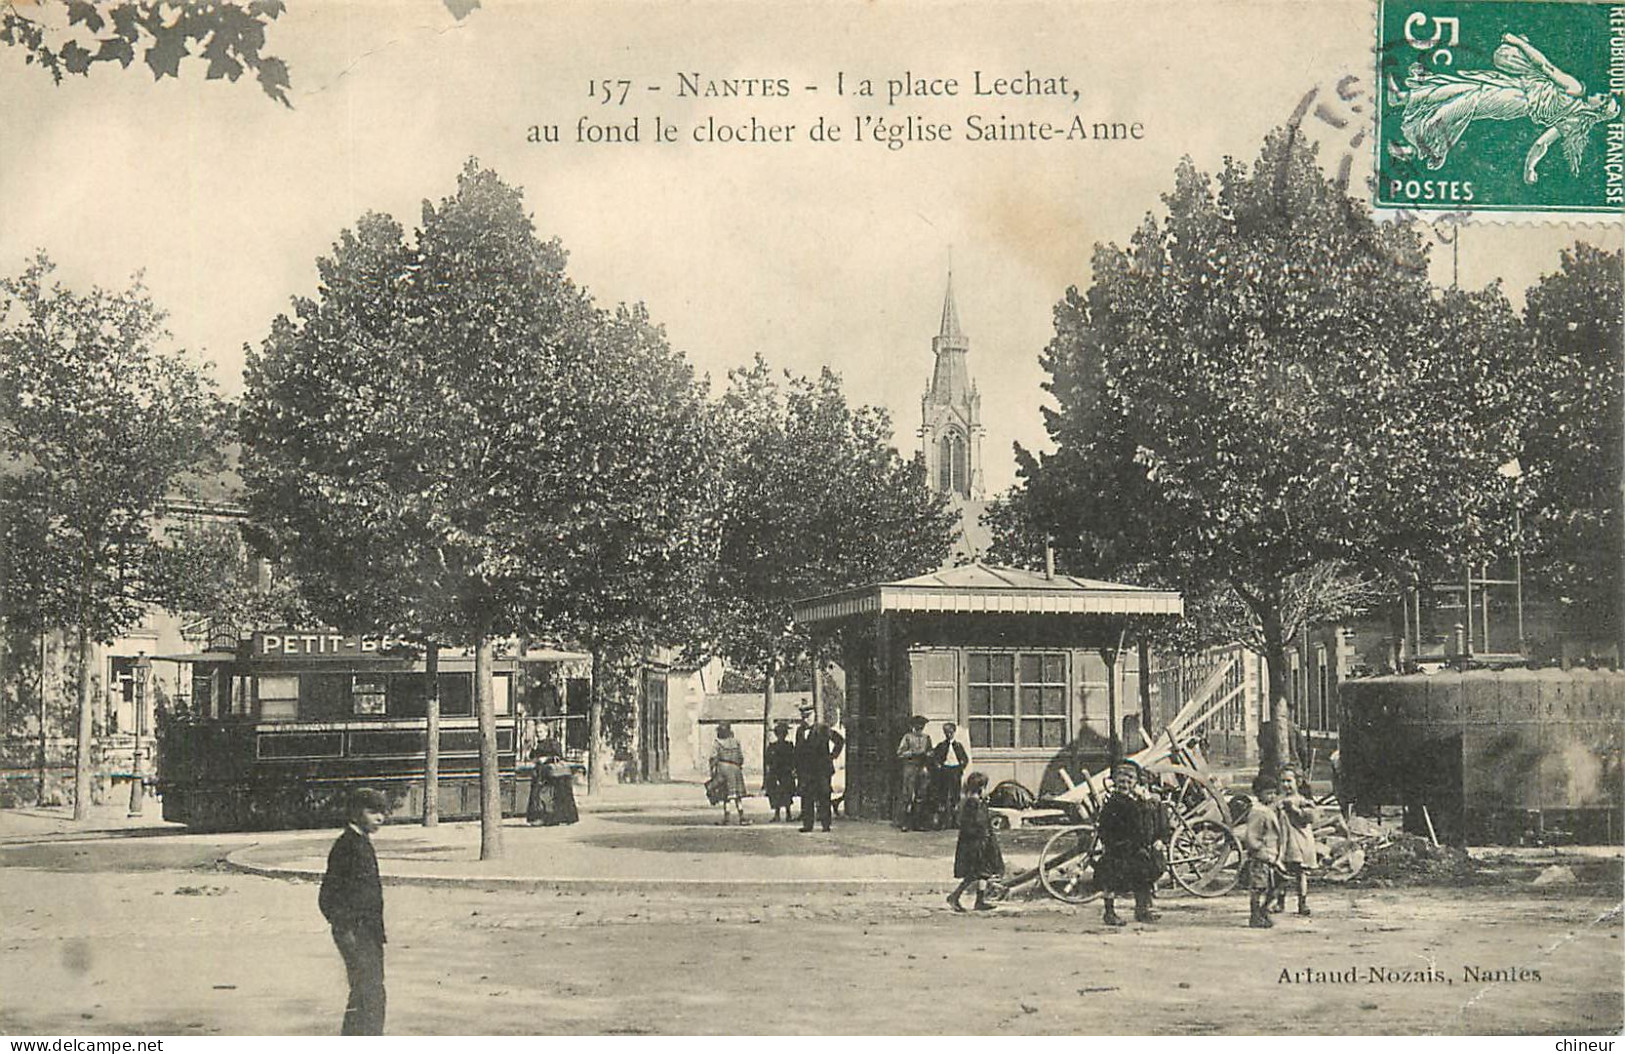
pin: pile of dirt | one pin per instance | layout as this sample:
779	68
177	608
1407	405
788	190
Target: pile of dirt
1410	860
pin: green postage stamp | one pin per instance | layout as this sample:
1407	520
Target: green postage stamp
1487	105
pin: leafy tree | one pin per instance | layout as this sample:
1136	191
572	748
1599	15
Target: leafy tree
208	574
1572	449
97	425
635	489
73	36
816	499
1263	396
452	442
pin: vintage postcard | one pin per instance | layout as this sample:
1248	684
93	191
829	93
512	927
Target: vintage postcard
908	517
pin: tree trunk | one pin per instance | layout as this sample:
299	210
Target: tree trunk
595	720
431	752
767	707
490	776
44	741
1276	747
1147	718
87	729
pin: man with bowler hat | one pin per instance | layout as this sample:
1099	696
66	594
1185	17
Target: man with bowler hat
817	747
352	901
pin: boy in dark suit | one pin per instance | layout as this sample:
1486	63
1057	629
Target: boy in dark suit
352	901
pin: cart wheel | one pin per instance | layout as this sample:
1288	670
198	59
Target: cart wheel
1193	797
1204	858
1067	865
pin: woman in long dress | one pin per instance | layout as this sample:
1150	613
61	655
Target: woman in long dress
728	768
1524	83
552	787
779	771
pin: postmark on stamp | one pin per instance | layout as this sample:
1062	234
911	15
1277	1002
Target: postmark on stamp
1485	105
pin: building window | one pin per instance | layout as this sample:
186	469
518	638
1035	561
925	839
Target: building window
1323	690
961	467
1017	700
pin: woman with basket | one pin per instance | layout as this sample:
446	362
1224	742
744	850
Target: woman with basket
727	782
552	787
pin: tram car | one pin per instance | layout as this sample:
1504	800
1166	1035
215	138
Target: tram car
281	728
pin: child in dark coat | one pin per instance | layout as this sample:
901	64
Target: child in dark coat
977	857
1129	830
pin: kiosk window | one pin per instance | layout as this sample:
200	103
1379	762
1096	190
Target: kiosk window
1017	700
278	697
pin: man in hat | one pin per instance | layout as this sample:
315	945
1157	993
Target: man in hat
914	758
352	901
817	747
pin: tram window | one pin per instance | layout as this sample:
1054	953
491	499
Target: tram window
456	695
502	693
367	694
408	694
324	696
278	697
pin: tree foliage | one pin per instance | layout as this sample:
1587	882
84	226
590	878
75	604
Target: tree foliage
1572	448
73	36
451	441
816	499
1263	396
210	577
98	423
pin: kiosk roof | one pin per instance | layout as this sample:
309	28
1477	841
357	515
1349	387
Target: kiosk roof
986	589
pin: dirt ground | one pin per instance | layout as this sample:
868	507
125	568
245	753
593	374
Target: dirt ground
149	936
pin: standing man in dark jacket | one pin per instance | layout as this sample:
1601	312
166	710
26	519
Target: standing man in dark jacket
352	901
817	747
948	763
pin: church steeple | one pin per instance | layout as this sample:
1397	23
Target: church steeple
950	314
950	379
951	411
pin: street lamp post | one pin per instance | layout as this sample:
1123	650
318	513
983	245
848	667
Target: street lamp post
137	787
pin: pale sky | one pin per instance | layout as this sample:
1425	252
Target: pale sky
810	253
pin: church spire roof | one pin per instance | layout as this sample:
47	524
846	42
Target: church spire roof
950	313
950	379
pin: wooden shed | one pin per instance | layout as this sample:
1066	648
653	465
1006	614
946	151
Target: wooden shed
1034	668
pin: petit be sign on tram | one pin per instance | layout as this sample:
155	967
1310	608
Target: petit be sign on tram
322	644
